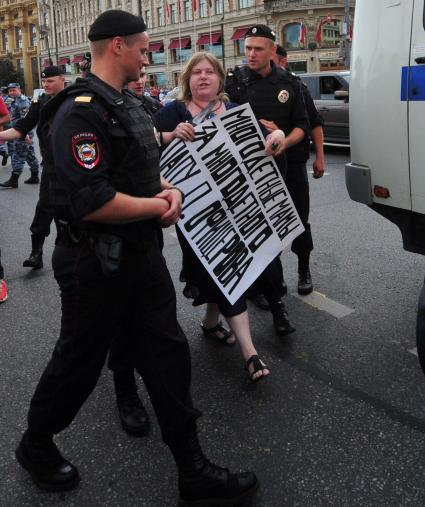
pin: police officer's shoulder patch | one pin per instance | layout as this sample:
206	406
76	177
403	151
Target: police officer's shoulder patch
86	149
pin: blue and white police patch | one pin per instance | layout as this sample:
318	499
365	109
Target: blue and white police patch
85	149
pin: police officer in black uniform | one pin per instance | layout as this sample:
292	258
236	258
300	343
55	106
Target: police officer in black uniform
275	96
53	82
109	201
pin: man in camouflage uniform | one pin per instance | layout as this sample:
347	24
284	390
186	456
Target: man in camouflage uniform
22	151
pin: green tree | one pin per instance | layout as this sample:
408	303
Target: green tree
8	73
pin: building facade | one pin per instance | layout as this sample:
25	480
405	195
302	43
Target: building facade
313	32
19	39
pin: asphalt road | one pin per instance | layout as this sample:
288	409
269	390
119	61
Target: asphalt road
340	421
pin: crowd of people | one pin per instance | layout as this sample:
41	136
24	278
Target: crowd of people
109	210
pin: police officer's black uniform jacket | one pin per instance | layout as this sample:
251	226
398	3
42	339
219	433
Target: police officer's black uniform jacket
30	120
104	143
276	97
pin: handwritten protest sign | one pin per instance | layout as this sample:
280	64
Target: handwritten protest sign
238	215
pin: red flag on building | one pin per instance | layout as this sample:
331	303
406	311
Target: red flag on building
178	9
319	31
194	6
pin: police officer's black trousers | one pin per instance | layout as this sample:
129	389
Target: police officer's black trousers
299	190
43	212
140	302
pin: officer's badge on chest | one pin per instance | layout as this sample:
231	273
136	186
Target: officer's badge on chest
283	96
85	149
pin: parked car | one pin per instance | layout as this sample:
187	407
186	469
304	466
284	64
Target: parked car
330	91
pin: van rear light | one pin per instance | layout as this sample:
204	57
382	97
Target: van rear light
382	192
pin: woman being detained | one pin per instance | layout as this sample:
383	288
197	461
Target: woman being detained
201	98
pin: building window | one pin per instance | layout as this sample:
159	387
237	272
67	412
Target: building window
83	35
219	6
331	34
67	37
58	16
81	8
173	8
240	47
188	12
157	57
18	37
243	4
216	49
59	39
203	11
74	34
160	14
148	19
294	36
32	35
181	55
4	40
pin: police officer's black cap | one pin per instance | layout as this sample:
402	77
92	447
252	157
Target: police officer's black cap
261	31
280	51
51	71
114	23
13	85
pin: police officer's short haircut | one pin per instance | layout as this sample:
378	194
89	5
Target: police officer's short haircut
184	78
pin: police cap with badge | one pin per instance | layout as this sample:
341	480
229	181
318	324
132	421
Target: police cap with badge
13	85
51	71
261	31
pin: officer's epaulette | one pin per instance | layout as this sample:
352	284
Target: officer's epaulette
83	99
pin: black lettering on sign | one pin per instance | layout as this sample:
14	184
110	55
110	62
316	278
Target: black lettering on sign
195	194
244	202
251	163
205	135
233	119
250	149
282	218
203	216
264	167
212	241
246	134
252	222
234	191
270	188
220	162
261	237
178	165
235	263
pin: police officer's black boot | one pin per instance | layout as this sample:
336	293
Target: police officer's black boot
133	416
4	158
12	182
35	260
280	318
305	284
203	483
33	179
48	468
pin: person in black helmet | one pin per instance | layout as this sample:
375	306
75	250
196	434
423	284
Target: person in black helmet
109	201
274	96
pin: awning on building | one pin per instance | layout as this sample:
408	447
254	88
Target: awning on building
63	61
205	39
239	33
155	46
183	42
77	59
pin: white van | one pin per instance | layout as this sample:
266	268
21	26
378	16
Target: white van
387	114
387	121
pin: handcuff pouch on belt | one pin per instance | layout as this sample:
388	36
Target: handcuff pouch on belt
108	250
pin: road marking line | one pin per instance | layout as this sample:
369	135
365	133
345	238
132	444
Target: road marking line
322	302
324	174
413	351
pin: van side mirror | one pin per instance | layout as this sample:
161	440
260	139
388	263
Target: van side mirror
341	95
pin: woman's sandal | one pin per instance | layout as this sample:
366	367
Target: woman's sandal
219	333
253	366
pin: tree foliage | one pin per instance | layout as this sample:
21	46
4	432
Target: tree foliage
8	73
